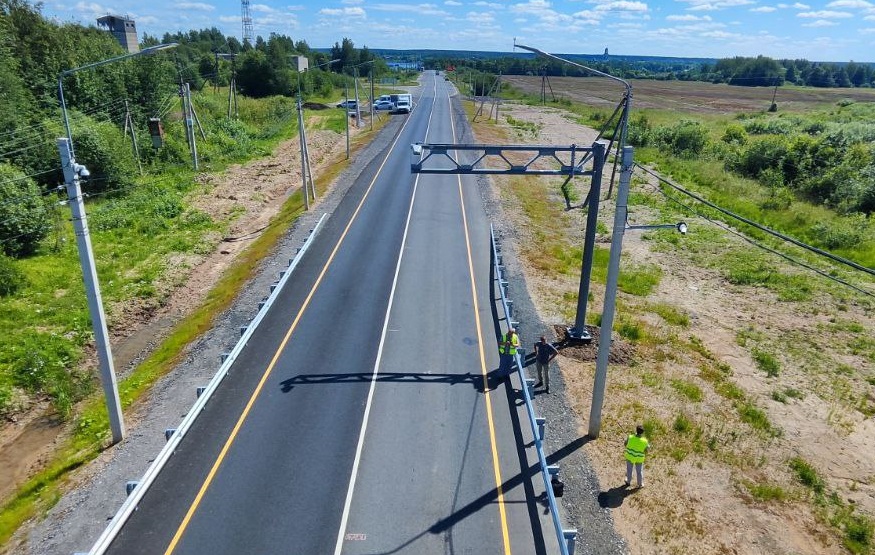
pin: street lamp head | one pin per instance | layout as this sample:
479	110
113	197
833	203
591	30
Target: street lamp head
81	171
682	228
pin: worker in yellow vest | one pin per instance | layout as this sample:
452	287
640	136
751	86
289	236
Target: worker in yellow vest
507	347
636	447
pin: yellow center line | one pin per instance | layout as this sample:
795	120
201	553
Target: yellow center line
211	475
496	467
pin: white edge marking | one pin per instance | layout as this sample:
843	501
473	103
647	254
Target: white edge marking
358	450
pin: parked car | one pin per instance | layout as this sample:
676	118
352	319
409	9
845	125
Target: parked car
383	105
347	104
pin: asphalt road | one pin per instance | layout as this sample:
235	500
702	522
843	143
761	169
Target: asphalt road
360	418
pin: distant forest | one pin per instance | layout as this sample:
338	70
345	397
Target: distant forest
761	71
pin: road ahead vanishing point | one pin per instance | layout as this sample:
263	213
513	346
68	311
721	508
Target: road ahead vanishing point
359	418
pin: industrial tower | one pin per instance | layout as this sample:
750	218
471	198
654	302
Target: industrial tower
248	34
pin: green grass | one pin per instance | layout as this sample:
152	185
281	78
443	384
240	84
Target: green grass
765	492
807	475
766	362
688	389
670	314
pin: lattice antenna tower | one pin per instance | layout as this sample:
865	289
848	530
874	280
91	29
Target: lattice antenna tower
248	34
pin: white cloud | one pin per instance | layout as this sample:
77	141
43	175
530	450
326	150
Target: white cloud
263	8
452	3
229	18
764	9
493	5
869	18
344	12
480	18
824	14
422	9
801	6
720	35
867	30
820	23
198	6
713	5
622	6
688	17
352	2
852	4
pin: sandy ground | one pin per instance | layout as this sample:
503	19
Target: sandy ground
702	502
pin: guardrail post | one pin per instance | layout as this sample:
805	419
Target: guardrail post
542	423
261	304
223	357
131	486
168	433
243	329
274	285
200	390
282	273
570	540
509	308
530	386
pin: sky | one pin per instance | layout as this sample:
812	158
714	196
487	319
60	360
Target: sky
835	30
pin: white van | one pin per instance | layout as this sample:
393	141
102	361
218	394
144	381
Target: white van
402	106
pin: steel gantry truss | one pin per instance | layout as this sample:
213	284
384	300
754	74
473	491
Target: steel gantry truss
568	160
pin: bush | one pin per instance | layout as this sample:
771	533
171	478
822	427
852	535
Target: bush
760	155
102	148
11	278
686	139
841	233
23	213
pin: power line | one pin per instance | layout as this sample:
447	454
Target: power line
761	227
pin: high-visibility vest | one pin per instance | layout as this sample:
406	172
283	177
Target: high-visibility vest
506	349
635	448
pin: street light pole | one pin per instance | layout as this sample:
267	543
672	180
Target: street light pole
72	173
601	365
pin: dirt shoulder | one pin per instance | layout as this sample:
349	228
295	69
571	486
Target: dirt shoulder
731	444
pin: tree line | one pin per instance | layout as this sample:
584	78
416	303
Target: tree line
760	71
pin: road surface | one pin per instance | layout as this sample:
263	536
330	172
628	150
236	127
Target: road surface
361	418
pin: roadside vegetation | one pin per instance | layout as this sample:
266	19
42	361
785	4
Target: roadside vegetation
721	390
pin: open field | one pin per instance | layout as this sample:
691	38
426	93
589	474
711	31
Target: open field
758	402
688	96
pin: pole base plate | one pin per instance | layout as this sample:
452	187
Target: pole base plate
574	336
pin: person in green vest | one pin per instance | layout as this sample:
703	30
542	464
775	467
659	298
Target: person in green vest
636	448
507	347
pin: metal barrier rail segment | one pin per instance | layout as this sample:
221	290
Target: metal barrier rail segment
135	496
565	538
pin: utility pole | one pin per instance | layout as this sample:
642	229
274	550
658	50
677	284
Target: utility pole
358	111
372	99
346	113
304	187
601	365
129	125
185	93
72	172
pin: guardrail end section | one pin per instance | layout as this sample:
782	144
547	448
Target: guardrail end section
130	486
168	433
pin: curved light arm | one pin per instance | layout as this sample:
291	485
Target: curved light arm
581	66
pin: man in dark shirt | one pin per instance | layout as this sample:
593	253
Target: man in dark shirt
544	353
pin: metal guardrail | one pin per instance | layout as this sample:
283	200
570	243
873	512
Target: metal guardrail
565	537
136	490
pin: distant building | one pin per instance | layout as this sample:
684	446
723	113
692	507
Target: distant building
300	63
123	29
